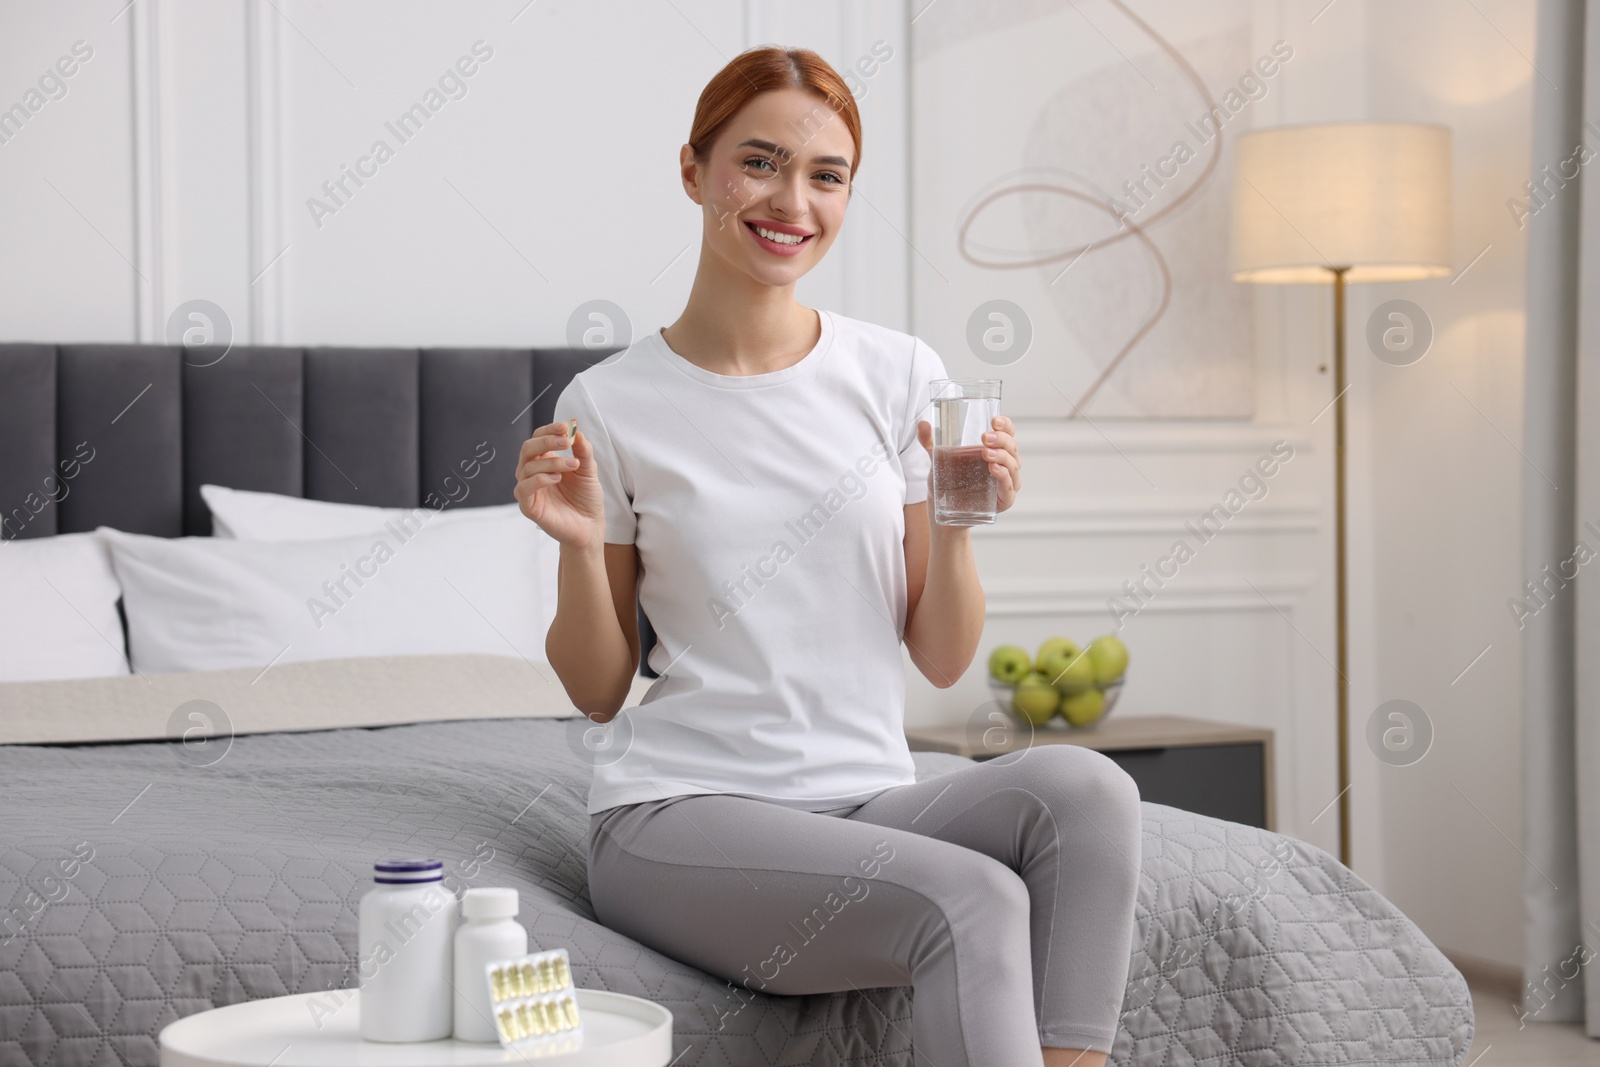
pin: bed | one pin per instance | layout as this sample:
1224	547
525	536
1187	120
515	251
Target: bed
145	876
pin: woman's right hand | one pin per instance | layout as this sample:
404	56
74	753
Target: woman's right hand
561	493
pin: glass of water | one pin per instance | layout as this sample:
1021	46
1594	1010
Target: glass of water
964	488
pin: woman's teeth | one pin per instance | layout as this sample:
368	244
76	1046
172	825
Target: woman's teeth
779	238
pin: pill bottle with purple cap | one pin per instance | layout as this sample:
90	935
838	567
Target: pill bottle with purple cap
407	925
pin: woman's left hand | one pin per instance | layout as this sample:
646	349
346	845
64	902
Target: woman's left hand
1000	449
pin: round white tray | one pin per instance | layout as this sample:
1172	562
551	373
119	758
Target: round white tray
618	1031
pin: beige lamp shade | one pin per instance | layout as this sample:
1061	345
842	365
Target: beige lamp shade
1370	197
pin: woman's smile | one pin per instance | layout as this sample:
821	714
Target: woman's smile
778	238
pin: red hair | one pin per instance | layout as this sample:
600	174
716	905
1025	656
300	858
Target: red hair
759	70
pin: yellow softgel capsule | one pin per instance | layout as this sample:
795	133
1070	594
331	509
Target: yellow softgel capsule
530	984
547	977
508	1025
563	973
569	1011
497	983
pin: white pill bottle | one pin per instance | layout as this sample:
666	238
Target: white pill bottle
407	924
489	933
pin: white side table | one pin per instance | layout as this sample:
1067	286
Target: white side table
618	1031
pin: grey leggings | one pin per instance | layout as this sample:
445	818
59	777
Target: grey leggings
1003	893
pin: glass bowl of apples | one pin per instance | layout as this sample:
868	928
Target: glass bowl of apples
1064	686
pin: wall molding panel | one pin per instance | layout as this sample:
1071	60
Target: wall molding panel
1283	592
1184	437
1062	516
150	157
266	259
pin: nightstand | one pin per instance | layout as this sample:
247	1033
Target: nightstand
618	1031
1217	769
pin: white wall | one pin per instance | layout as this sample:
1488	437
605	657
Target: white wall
179	163
1446	482
187	149
68	261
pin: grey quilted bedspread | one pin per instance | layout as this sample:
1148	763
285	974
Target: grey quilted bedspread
140	888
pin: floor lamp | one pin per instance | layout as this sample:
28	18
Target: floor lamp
1343	202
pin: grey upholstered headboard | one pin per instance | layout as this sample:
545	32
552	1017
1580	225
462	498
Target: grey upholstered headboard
124	435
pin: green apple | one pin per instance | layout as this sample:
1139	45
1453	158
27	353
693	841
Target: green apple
1055	644
1110	658
1036	700
1009	664
1069	670
1081	709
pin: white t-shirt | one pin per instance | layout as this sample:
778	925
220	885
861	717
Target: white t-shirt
767	510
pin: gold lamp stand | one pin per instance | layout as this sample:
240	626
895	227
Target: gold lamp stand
1341	600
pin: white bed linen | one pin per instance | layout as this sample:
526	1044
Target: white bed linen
313	695
204	603
58	609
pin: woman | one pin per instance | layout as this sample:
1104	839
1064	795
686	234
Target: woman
766	465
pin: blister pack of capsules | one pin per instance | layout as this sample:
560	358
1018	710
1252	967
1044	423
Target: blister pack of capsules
534	1001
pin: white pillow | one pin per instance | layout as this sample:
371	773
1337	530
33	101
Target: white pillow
204	603
255	516
58	610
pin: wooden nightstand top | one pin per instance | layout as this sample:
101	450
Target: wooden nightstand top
1142	731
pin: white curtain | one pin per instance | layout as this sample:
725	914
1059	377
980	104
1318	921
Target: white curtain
1561	542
